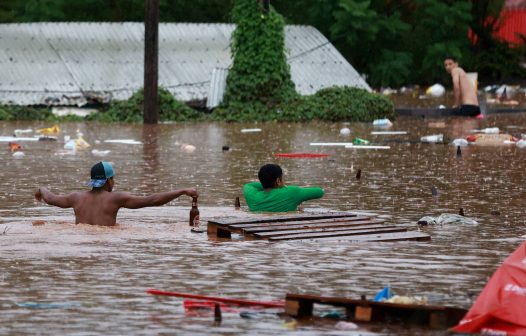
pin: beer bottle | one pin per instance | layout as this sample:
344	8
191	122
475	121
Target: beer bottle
194	213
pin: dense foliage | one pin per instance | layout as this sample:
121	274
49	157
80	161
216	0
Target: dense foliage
131	110
331	104
260	75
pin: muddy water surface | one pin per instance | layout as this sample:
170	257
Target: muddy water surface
97	276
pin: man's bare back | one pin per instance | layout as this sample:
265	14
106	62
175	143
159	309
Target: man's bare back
100	205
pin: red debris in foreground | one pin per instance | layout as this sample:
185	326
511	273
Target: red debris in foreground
499	309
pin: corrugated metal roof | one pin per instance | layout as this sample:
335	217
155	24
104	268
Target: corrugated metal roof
71	63
217	88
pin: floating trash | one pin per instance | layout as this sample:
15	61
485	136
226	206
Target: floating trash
11	139
250	130
446	218
55	129
360	141
521	143
13	146
342	325
188	148
388	132
124	141
18	155
382	122
345	131
434	138
22	131
436	90
460	142
97	152
367	146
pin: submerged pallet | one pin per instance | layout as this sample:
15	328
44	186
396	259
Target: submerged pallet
438	317
320	226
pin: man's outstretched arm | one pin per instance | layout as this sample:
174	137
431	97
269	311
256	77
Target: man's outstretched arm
43	194
136	202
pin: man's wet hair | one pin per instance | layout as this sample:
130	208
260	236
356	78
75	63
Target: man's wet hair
451	57
268	174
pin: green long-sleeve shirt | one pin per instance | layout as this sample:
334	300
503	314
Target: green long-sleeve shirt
278	199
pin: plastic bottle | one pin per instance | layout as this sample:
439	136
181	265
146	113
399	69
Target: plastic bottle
360	141
432	138
194	213
382	122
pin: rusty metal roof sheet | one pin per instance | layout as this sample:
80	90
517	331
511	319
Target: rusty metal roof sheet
73	63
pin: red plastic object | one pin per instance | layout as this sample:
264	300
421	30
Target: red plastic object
239	302
471	138
300	155
499	309
479	116
14	146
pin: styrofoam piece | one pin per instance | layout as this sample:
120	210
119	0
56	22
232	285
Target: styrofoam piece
250	130
11	138
367	147
331	143
124	141
388	132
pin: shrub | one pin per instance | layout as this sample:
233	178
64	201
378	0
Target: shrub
131	110
331	104
14	112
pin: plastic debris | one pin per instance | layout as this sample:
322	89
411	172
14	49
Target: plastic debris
18	155
367	146
333	314
17	132
490	139
420	300
360	141
436	90
383	294
446	218
382	122
342	325
460	142
81	143
345	131
55	129
124	141
250	130
97	152
13	146
521	143
70	145
187	148
343	144
434	138
11	138
388	133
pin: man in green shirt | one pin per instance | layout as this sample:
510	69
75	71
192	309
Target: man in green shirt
272	195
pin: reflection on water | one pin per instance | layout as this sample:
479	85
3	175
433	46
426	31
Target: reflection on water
105	271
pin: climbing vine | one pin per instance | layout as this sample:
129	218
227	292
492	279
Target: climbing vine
260	75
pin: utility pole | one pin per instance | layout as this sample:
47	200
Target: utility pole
151	62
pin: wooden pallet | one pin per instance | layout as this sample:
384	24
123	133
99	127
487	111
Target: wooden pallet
437	317
320	226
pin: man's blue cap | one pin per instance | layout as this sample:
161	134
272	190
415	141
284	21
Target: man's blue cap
100	173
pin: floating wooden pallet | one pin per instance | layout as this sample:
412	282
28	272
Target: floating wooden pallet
438	317
320	226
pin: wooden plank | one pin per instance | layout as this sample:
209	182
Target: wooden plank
313	230
440	317
284	227
385	237
334	234
305	221
282	218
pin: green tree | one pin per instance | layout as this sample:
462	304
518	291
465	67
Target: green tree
260	75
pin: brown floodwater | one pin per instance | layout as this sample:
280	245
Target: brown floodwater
97	276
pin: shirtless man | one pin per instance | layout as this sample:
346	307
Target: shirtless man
465	95
100	205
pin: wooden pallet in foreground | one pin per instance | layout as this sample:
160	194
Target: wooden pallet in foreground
346	226
437	317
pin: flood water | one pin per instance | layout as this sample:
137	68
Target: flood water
97	276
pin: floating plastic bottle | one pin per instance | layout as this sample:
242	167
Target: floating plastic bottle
434	138
521	144
382	122
345	131
360	141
